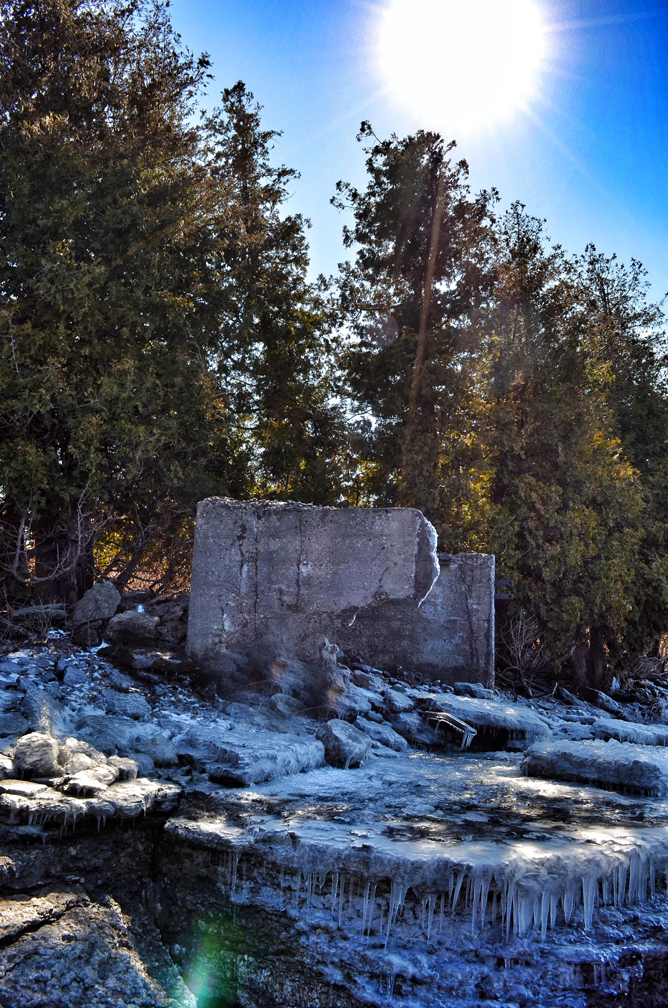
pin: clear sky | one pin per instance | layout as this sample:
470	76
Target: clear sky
586	148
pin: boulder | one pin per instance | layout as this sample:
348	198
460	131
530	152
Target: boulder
99	603
473	690
131	705
131	627
74	677
398	703
128	769
88	635
382	733
36	755
12	723
125	737
345	746
10	667
241	757
42	711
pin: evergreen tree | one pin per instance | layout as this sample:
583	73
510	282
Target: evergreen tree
565	510
128	236
420	274
277	352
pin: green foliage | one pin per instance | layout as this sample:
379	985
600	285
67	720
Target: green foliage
413	396
152	298
539	433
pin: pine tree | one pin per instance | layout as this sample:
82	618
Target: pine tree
277	352
148	282
420	274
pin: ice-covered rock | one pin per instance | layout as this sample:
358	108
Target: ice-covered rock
128	769
618	765
498	724
123	737
248	756
130	705
42	711
345	746
383	733
629	731
398	703
36	755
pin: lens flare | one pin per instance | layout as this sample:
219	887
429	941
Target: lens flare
462	63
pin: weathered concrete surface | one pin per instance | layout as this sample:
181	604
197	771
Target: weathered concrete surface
274	584
450	637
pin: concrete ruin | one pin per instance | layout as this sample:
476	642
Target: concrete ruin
449	637
281	589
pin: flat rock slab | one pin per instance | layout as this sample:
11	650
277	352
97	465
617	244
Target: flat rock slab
248	756
621	766
123	800
498	724
629	731
276	580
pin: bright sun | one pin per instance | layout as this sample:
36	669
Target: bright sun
462	63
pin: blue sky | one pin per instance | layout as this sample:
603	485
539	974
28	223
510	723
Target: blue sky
590	154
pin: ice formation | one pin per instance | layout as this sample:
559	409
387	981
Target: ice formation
411	873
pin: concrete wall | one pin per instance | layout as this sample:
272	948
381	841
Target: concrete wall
277	586
450	637
274	582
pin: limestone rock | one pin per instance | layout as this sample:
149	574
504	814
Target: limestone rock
127	768
61	949
12	723
249	757
131	627
98	603
619	765
382	733
10	666
36	755
42	711
125	737
74	677
131	705
345	745
398	703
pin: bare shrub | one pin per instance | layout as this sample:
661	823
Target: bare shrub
522	658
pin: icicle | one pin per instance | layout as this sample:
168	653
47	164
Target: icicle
431	903
365	906
544	910
458	889
589	886
567	901
335	887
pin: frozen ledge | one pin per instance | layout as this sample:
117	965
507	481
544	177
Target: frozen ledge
518	885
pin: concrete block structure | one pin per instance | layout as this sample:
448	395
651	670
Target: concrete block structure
279	588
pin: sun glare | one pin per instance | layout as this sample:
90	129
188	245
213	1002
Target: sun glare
462	63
